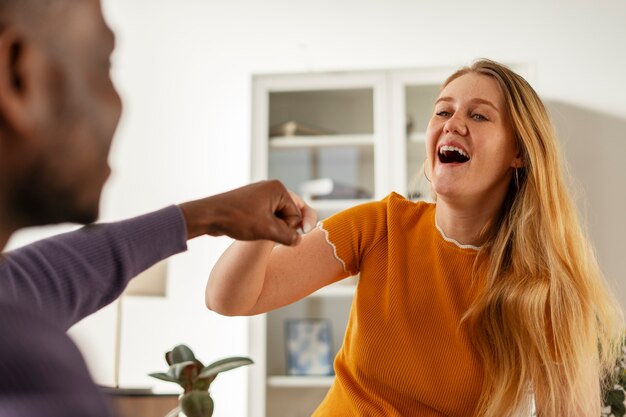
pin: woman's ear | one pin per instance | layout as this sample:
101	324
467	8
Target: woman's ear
22	72
518	161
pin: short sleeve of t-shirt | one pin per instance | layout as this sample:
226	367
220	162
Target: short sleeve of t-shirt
354	231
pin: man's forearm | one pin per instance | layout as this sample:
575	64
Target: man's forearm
72	275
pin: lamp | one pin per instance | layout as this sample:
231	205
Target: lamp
150	283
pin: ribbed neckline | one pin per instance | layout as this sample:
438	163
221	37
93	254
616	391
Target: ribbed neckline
449	239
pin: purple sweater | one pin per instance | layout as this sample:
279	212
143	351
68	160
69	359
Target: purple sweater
51	284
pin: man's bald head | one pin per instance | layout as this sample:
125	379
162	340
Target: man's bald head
10	10
38	16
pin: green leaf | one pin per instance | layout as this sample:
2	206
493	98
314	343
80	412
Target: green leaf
176	370
614	396
162	376
182	353
184	373
224	365
618	409
197	404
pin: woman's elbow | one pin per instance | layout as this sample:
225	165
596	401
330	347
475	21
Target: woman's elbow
224	307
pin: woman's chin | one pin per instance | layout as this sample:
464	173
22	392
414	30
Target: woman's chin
447	190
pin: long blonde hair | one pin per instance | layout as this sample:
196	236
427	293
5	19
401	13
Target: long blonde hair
546	323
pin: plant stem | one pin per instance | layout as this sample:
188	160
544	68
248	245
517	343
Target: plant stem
174	412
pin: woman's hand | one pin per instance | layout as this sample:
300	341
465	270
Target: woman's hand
309	216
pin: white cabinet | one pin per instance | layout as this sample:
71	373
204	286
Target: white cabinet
338	139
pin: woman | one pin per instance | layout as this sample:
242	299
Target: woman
477	305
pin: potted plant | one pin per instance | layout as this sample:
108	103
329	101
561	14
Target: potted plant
614	400
195	379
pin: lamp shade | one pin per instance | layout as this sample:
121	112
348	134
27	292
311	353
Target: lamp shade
150	283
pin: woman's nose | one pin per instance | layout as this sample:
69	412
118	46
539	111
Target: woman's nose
455	124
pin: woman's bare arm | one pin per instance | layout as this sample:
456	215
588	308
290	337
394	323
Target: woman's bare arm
256	277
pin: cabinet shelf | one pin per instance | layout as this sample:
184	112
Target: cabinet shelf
284	381
335	205
320	141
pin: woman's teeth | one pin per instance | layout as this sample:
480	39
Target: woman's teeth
449	153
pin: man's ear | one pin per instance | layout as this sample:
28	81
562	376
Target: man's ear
21	69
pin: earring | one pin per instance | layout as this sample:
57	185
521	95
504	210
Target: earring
516	180
424	169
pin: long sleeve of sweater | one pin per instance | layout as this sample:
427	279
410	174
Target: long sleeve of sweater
72	275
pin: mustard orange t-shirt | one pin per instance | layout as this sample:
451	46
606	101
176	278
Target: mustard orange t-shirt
404	352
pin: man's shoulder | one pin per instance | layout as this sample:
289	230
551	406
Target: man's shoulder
36	346
43	372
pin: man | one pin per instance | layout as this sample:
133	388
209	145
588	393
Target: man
58	112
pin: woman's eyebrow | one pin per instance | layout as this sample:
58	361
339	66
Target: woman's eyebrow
474	100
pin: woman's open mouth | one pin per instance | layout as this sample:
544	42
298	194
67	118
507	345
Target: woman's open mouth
451	154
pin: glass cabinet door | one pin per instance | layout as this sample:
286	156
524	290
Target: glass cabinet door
321	144
324	138
413	97
418	102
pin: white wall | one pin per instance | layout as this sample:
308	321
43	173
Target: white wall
184	67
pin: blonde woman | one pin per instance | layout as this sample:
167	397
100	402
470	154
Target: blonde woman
476	305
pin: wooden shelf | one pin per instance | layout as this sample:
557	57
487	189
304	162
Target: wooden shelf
320	141
143	405
284	381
